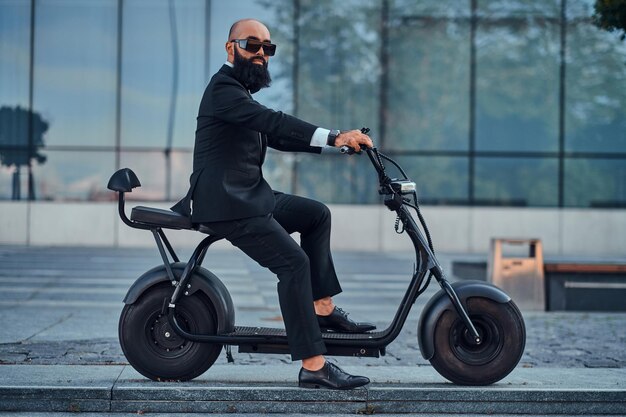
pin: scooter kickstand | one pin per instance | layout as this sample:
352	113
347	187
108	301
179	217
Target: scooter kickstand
229	354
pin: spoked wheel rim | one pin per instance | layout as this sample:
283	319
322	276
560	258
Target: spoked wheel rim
467	350
163	340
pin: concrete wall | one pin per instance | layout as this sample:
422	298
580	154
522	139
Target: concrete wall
363	228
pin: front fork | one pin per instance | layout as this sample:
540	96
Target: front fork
445	285
430	262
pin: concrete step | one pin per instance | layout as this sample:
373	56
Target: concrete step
273	389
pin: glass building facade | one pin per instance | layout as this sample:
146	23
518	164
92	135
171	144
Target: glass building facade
484	102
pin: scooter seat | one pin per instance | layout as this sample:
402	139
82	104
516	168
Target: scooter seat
161	218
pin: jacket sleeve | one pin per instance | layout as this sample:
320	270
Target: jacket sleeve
232	104
289	145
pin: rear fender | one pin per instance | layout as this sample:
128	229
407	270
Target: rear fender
202	280
440	302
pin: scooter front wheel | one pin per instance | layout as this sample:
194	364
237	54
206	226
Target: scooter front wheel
458	358
153	348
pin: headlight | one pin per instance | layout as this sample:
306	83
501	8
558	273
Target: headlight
403	186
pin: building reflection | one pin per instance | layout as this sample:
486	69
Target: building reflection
21	138
503	102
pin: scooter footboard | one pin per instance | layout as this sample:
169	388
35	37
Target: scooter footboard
202	280
440	302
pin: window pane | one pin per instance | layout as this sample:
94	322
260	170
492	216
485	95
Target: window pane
14	52
428	93
179	174
75	70
523	8
7	183
15	126
150	168
595	183
14	90
278	170
74	176
516	181
13	183
517	78
338	71
595	120
439	8
153	170
439	179
163	71
579	9
337	179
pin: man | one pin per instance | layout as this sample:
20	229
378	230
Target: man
231	197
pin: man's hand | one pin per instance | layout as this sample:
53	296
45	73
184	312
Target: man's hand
353	139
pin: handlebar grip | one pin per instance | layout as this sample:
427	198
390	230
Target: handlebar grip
349	150
345	149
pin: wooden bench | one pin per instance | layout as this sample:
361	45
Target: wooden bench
569	285
585	286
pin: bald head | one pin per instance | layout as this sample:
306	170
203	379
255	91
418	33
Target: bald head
243	26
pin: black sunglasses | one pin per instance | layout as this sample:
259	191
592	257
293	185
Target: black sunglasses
252	45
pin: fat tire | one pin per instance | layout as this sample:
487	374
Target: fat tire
504	338
185	360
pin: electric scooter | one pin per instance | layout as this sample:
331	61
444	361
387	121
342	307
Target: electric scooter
178	316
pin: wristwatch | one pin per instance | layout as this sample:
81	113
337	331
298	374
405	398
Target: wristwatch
332	136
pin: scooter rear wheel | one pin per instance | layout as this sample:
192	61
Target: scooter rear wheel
458	358
153	348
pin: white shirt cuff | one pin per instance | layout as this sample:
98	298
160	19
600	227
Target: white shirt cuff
320	137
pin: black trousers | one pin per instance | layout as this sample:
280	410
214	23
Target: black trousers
305	272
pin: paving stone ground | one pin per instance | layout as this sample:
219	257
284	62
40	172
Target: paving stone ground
61	306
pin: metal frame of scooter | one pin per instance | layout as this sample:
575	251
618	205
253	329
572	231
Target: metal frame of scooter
341	344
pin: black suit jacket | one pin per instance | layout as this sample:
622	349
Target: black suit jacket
232	136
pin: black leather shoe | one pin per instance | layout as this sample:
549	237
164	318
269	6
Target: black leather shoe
330	376
338	321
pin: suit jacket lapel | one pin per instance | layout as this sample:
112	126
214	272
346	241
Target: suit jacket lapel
262	137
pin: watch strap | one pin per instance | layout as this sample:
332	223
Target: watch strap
332	136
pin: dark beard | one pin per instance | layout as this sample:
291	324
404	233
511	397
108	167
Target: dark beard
252	76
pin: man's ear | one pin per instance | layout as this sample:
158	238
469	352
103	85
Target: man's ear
230	50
